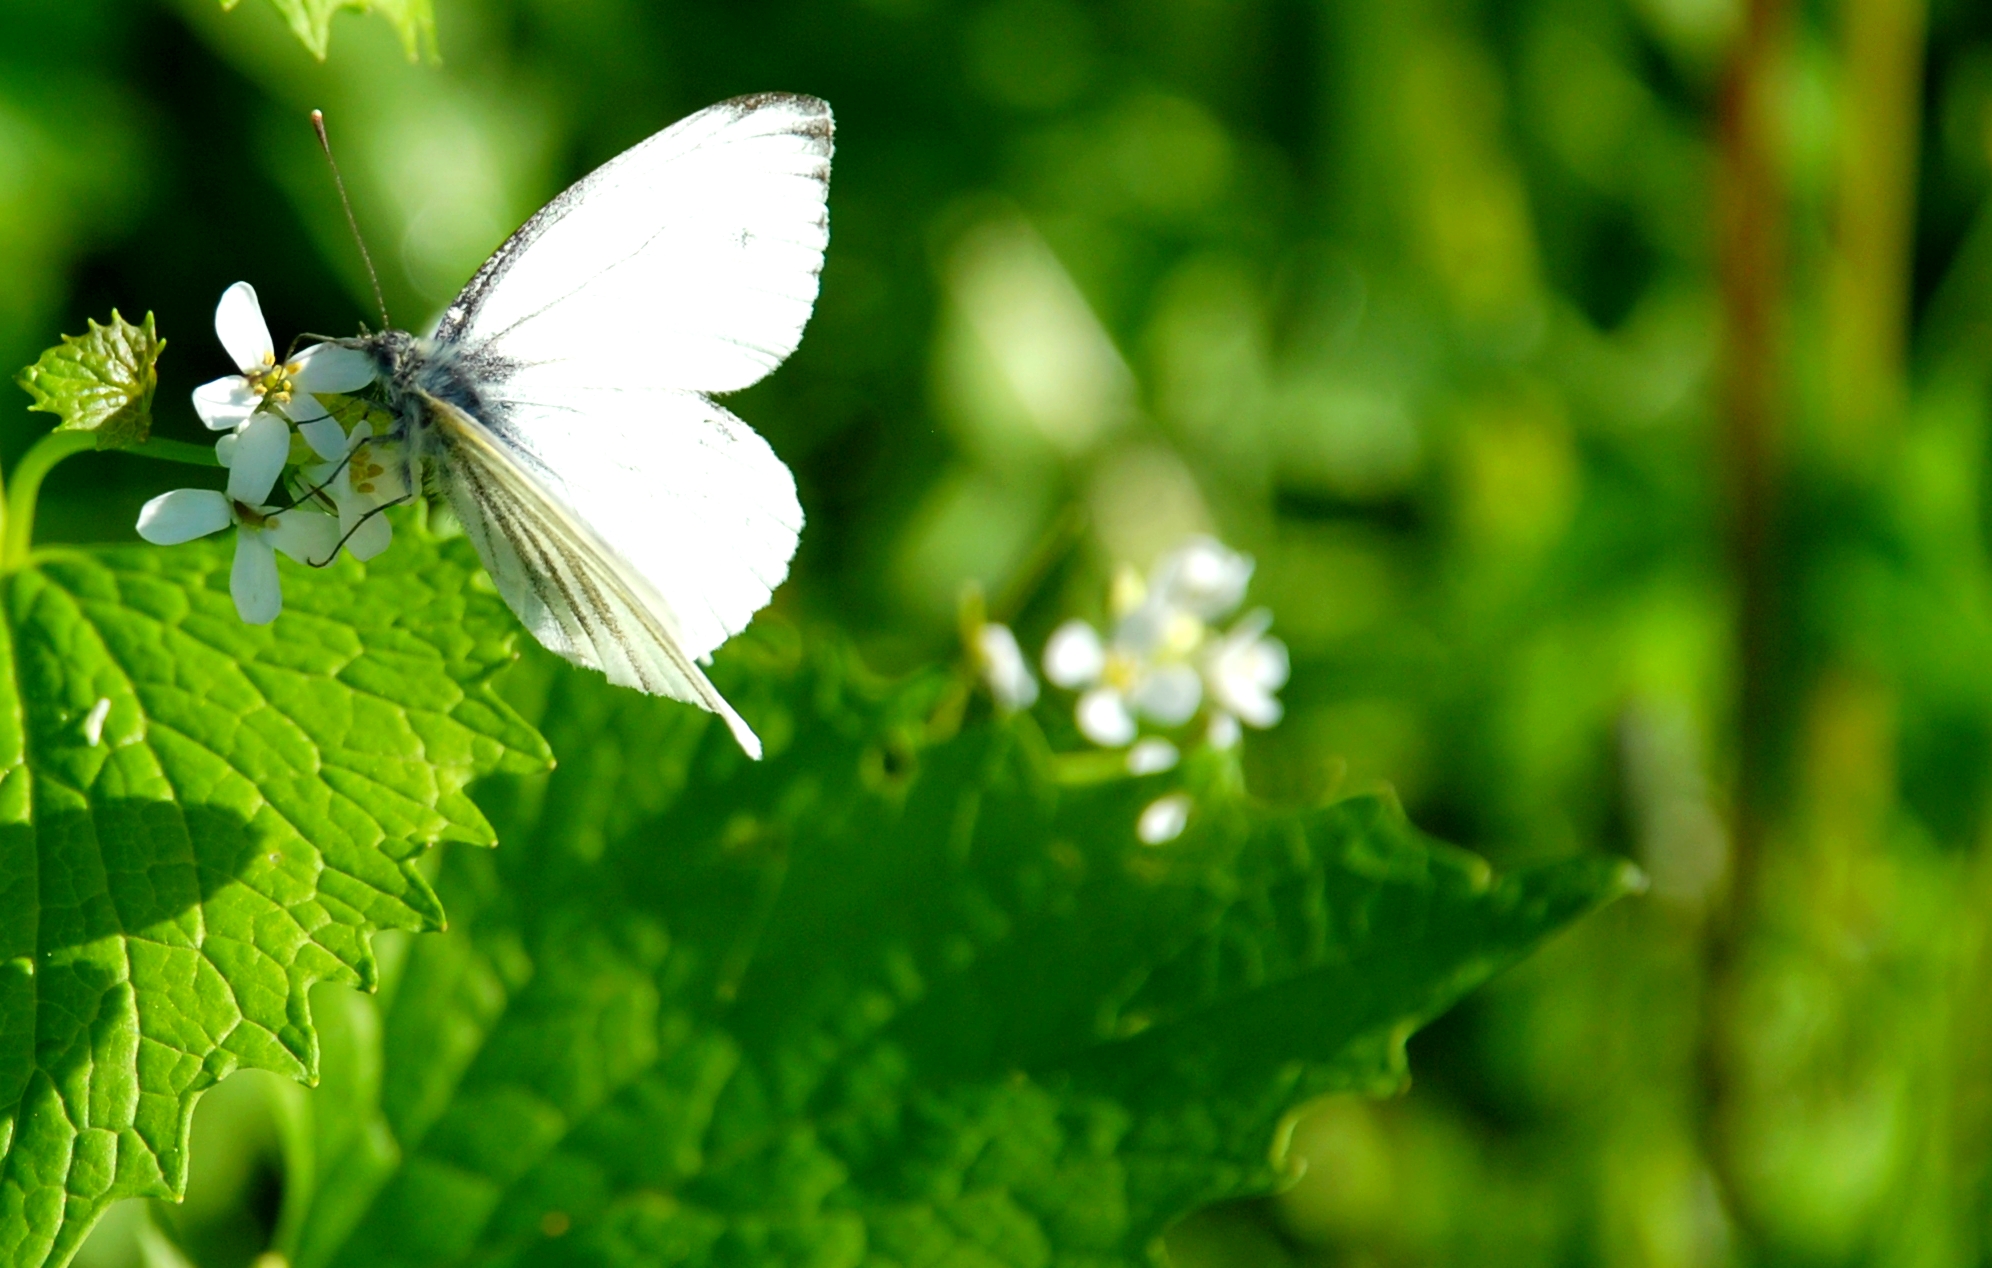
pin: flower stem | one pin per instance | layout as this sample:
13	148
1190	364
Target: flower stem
25	487
18	534
175	451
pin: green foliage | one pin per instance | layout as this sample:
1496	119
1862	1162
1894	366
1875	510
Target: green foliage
880	998
198	820
311	21
101	382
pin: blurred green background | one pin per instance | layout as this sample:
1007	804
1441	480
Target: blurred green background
1600	385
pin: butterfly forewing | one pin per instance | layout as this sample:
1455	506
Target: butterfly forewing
689	261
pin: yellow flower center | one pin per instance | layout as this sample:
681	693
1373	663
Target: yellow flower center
1120	671
273	381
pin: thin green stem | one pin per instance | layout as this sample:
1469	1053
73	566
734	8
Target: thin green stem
17	529
26	487
175	451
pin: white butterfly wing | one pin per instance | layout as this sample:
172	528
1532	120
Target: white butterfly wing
569	585
689	261
681	490
633	524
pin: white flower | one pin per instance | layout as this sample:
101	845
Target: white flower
365	480
227	403
1152	756
1074	655
1164	660
1243	669
1130	679
1224	731
1202	577
1004	669
1163	819
257	459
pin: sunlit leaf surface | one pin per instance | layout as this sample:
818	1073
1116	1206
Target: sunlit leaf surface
198	820
874	1000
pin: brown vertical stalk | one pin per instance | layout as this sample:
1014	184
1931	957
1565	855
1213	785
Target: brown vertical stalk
1750	221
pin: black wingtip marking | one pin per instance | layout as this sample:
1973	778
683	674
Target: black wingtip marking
816	123
801	101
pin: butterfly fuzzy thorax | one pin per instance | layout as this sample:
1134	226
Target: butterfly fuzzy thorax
630	520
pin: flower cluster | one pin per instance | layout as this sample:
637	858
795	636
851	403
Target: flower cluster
1162	662
256	410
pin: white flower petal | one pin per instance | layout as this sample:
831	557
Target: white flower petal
1073	657
309	537
1246	668
1140	630
1103	718
1203	576
1254	705
1270	664
326	438
1169	694
376	534
225	404
326	367
238	321
260	452
1224	731
1004	669
1164	819
1151	757
93	722
1157	629
182	515
303	407
253	580
224	449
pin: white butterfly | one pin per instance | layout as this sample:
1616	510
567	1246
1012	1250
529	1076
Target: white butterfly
564	404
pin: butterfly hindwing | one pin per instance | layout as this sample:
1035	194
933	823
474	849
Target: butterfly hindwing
685	493
565	583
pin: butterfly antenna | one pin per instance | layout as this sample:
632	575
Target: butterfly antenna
325	144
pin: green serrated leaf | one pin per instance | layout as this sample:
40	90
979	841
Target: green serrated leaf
198	820
311	21
101	382
873	1001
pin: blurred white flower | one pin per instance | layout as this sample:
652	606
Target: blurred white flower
1224	731
1202	577
1163	819
225	404
256	460
1074	655
1134	677
1164	660
1242	669
1004	669
1152	756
